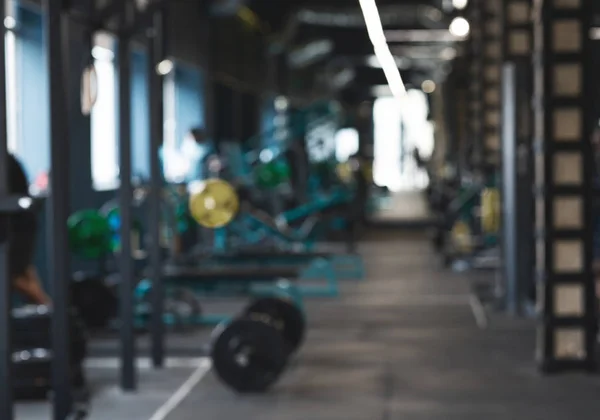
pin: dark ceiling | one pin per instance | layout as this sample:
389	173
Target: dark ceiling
299	22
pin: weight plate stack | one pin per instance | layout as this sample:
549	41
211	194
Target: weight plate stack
96	302
284	315
248	354
32	373
32	330
32	355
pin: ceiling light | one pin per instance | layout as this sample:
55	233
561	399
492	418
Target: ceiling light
428	86
421	35
401	63
459	27
10	22
165	67
460	4
380	46
448	54
281	104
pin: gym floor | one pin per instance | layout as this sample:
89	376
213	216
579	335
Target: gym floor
405	206
409	343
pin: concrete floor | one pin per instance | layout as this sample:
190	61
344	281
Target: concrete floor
406	344
409	343
156	388
406	206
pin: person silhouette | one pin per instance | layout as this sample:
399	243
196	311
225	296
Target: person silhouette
21	234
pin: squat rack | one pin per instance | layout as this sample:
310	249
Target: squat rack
57	15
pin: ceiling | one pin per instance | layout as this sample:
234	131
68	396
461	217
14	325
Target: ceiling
408	25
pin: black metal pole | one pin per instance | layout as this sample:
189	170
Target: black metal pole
58	209
128	371
156	53
6	395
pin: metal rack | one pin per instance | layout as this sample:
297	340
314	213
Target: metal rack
563	185
57	17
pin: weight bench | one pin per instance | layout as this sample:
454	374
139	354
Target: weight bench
229	273
226	281
346	266
248	271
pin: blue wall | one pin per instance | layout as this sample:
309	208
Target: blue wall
33	116
189	104
140	130
33	147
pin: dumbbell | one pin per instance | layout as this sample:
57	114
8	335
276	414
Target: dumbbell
32	350
251	351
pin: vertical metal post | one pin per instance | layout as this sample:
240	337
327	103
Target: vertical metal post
128	372
58	210
156	53
6	395
509	187
517	188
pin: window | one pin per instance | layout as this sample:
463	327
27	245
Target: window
27	97
400	129
346	144
12	104
386	167
184	111
104	158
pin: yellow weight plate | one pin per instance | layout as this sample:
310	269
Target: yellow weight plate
490	210
367	170
344	172
462	237
214	203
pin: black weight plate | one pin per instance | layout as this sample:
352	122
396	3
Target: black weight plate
288	318
31	375
31	326
248	355
32	330
95	301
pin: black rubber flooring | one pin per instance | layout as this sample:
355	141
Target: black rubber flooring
405	345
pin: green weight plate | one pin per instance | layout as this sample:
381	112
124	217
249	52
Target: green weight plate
272	174
89	234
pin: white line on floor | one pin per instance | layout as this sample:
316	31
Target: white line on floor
478	312
183	391
146	363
